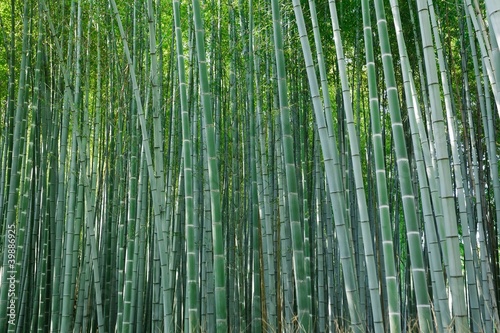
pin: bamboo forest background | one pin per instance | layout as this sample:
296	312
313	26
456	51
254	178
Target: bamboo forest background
249	166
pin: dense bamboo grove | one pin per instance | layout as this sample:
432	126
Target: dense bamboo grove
249	166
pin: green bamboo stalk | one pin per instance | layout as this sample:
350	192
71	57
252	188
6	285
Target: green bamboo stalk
127	233
206	236
257	319
156	311
140	262
218	240
165	209
41	223
25	219
72	231
285	278
322	285
264	181
90	217
192	286
381	180
41	321
445	182
404	175
459	187
69	237
284	248
304	307
358	178
172	204
428	149
120	242
232	289
422	158
108	234
35	158
157	117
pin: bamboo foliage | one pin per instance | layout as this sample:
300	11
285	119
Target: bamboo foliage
249	166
